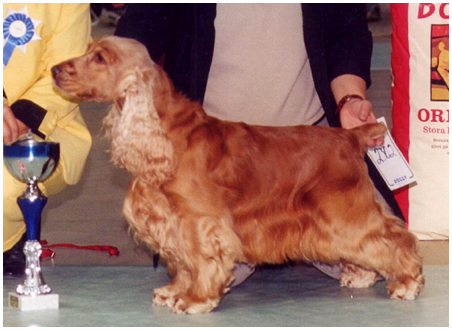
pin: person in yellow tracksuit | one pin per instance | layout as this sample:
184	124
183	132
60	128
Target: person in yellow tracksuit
37	36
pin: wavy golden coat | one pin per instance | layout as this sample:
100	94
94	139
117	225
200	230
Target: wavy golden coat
207	194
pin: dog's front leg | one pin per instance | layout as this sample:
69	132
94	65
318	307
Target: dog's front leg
180	282
211	249
154	222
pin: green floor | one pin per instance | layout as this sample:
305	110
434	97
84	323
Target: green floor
291	296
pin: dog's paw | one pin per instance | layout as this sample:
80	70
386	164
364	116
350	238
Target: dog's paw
185	305
163	297
408	289
353	276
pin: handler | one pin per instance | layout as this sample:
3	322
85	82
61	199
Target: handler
36	37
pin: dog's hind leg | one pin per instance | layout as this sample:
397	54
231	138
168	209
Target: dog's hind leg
392	252
404	275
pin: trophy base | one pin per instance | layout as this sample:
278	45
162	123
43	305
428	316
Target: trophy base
29	303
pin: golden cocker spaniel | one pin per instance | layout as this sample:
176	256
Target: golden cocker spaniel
208	194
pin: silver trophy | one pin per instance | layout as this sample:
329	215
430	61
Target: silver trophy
31	161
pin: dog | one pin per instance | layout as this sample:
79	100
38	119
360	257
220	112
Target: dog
208	194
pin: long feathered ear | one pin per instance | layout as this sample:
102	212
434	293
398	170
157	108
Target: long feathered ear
138	140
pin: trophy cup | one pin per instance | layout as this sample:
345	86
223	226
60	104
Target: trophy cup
30	161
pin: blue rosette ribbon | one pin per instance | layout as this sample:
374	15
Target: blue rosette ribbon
13	40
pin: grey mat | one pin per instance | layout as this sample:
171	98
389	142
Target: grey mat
291	296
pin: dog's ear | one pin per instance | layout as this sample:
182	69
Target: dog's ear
133	82
138	92
128	83
148	76
139	142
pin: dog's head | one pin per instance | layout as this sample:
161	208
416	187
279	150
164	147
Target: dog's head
121	70
107	70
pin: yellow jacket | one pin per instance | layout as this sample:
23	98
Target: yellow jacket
60	31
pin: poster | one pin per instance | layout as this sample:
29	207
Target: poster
420	95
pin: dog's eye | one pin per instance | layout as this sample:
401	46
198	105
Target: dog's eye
99	58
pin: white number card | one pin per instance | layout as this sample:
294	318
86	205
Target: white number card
390	162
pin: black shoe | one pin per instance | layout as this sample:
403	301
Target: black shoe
14	259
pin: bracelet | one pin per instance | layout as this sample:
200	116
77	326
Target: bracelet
345	99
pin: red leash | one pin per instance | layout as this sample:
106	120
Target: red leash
48	253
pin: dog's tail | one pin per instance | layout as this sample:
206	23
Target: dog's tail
369	131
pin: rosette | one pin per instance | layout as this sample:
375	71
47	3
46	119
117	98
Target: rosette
18	30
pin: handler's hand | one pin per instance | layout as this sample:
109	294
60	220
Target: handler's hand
12	127
359	112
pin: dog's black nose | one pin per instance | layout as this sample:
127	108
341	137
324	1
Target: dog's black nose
55	71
